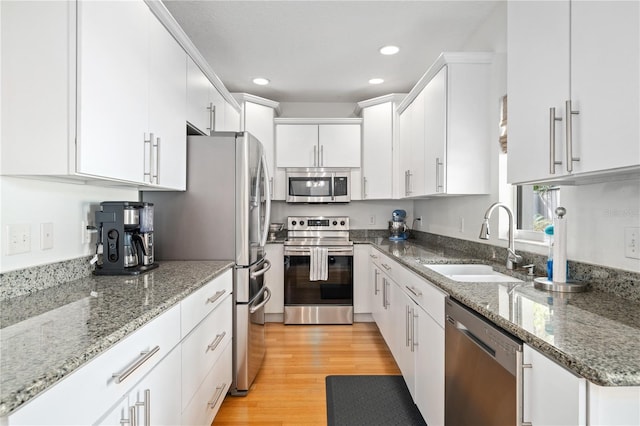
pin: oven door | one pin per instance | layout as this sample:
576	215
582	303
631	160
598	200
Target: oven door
300	290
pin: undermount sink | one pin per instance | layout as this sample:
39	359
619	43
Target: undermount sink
472	273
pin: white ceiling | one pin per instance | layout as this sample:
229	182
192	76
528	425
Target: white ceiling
325	51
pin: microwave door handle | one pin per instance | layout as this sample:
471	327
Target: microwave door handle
333	186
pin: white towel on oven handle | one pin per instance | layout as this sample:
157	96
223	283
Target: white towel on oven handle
319	264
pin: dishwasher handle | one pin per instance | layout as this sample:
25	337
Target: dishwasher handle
475	339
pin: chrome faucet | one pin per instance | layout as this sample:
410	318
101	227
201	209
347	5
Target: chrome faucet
512	257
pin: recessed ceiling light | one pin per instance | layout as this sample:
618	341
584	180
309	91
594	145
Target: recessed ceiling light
389	50
261	81
376	81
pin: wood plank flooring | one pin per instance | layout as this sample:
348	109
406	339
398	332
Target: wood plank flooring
290	388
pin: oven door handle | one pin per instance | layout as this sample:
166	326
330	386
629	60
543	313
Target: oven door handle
263	270
306	251
264	292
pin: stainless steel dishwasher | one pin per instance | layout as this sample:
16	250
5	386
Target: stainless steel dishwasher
482	371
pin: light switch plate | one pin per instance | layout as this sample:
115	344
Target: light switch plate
632	242
19	240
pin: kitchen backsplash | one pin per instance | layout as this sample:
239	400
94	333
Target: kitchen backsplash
622	283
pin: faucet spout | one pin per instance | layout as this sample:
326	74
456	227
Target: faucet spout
512	257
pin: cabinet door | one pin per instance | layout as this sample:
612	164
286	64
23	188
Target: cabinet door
219	110
406	119
551	394
113	89
403	323
538	79
417	148
435	128
296	145
361	283
167	108
339	145
605	87
376	290
377	152
198	86
274	278
429	359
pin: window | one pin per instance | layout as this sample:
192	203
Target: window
535	206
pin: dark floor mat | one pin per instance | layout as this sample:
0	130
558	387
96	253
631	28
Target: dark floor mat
370	400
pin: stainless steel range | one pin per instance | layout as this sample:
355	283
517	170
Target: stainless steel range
318	271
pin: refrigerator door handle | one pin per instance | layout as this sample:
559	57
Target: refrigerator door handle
267	201
267	266
267	296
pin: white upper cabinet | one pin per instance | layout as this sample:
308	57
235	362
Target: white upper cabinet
380	130
207	109
445	129
578	53
305	143
114	93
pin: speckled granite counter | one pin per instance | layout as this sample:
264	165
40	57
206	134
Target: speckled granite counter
50	333
595	334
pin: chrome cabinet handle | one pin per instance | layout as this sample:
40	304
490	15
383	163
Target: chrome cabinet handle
213	345
373	256
216	396
384	292
413	290
414	316
364	187
148	154
212	117
131	421
409	175
216	296
321	155
147	407
144	357
438	183
375	282
552	140
387	286
271	186
156	161
387	267
569	135
315	156
407	315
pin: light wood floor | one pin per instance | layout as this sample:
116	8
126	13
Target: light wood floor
290	388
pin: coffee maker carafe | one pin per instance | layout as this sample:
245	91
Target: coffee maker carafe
398	226
126	235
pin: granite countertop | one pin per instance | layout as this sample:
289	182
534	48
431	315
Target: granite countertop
48	334
594	334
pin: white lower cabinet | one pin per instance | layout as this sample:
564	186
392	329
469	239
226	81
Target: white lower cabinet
176	369
362	303
428	338
155	400
552	395
275	279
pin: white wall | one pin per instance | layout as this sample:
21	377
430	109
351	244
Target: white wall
66	205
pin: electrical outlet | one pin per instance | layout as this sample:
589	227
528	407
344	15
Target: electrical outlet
19	240
461	224
632	242
372	219
419	220
46	236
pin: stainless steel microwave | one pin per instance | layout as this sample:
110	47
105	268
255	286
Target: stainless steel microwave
318	185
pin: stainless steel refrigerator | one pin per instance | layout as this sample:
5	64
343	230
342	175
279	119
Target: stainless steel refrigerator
224	215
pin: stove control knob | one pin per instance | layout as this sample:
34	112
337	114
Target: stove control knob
342	222
294	223
335	222
301	222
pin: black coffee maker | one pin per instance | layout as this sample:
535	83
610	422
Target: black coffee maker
126	235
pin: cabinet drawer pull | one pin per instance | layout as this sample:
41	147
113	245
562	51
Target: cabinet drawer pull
156	161
387	267
415	292
212	118
439	185
144	357
213	345
216	396
216	296
148	155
